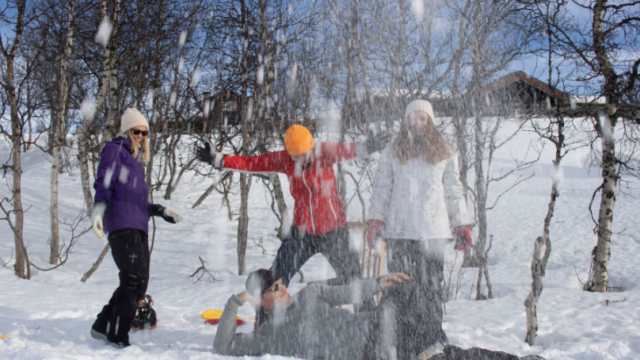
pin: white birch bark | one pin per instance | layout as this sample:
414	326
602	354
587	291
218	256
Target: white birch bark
530	303
110	130
59	136
607	130
21	266
245	181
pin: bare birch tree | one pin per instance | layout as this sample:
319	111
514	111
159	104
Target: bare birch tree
59	133
13	16
595	46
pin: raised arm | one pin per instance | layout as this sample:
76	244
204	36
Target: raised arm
329	153
266	163
227	342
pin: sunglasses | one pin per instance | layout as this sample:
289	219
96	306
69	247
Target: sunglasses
138	132
274	288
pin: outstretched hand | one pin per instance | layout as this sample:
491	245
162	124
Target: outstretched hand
463	240
376	142
97	216
208	155
204	153
386	281
374	227
166	214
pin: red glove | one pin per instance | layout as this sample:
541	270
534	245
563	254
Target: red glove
375	226
463	238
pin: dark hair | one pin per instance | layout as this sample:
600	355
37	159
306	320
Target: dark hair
257	283
260	281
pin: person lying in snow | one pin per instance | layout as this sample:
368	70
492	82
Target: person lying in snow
319	221
308	324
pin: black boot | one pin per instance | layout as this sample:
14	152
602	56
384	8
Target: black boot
102	321
122	315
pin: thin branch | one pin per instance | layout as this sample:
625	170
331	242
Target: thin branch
202	273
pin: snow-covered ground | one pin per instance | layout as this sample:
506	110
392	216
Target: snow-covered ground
49	316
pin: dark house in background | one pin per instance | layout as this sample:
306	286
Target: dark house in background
221	109
518	93
511	95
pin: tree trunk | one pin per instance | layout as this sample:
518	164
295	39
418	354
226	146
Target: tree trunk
607	131
96	264
605	216
110	128
537	272
285	223
243	222
245	184
84	169
59	137
204	195
21	267
54	242
16	170
481	196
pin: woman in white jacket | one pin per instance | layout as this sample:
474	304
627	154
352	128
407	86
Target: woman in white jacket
417	205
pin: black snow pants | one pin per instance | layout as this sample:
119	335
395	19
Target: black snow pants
130	250
298	247
417	303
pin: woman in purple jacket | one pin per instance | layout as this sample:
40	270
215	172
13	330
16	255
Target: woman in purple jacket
122	210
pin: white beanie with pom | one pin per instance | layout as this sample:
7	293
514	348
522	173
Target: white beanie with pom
422	105
132	118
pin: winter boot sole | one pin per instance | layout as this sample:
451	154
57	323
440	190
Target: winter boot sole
432	351
99	336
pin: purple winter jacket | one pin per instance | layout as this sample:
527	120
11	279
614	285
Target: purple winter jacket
121	184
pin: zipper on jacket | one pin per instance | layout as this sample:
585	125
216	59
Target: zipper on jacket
125	194
313	225
332	210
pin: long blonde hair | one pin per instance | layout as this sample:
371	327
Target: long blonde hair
144	144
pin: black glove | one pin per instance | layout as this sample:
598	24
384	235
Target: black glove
206	154
374	143
168	215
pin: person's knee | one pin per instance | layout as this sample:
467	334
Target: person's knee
133	283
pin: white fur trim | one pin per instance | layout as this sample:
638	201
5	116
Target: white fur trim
218	161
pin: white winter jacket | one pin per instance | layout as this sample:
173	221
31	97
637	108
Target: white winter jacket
418	200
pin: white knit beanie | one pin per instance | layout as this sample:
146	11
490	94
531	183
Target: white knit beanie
132	118
422	105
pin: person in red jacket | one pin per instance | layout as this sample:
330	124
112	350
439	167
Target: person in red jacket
319	221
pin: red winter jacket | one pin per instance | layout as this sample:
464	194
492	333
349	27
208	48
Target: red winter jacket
318	208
